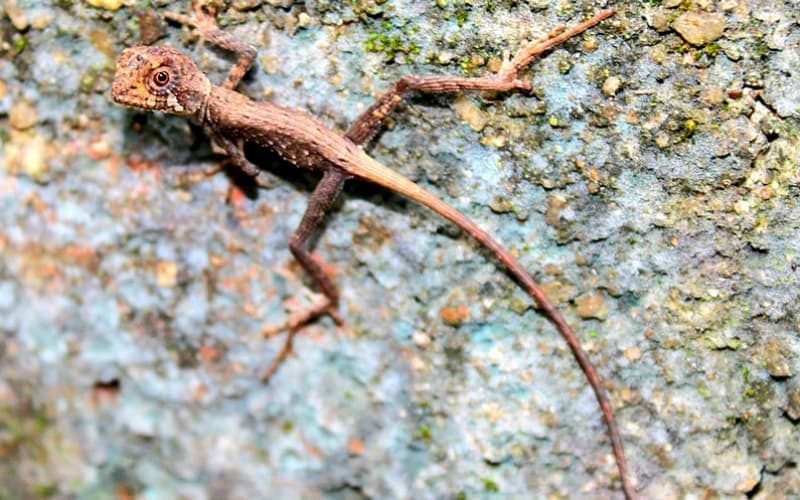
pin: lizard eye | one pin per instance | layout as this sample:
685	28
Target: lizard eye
161	78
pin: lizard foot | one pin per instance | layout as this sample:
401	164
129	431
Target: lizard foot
204	20
303	316
190	176
276	363
293	324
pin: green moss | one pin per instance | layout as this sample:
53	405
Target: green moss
424	433
761	391
45	490
461	16
760	50
490	485
712	50
20	43
391	40
92	76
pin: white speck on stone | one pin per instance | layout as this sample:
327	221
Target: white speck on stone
445	57
421	339
304	20
611	86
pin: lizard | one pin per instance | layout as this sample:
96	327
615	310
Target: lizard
163	79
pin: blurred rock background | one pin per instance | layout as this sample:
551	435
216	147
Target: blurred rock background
650	181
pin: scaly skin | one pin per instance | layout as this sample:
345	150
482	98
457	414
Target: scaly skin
163	79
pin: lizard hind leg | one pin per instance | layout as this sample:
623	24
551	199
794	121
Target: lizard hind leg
507	79
319	204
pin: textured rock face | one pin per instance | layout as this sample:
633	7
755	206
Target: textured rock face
650	183
700	28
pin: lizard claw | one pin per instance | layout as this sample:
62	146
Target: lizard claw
522	85
303	316
192	176
295	321
203	21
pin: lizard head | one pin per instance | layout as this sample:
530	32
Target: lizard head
159	79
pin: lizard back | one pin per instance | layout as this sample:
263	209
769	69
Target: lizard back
293	134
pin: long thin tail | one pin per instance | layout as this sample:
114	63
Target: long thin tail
371	170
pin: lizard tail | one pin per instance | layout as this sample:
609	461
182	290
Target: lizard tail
373	171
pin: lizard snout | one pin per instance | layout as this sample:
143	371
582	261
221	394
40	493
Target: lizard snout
128	87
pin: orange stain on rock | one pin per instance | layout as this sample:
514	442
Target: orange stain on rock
454	316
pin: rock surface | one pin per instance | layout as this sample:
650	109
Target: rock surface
651	184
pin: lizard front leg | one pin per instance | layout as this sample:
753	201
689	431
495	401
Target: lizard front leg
205	23
319	204
371	121
237	158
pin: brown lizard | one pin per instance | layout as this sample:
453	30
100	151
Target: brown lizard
163	79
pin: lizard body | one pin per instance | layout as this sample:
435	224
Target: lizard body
163	79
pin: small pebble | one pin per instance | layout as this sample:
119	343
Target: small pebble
470	113
105	4
304	20
421	339
28	154
793	407
658	20
611	86
592	305
166	273
454	316
16	14
591	44
632	353
555	205
445	57
98	150
558	292
281	3
23	115
662	140
700	28
776	359
151	26
494	141
713	96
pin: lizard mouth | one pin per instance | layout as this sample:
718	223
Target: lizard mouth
125	99
129	101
